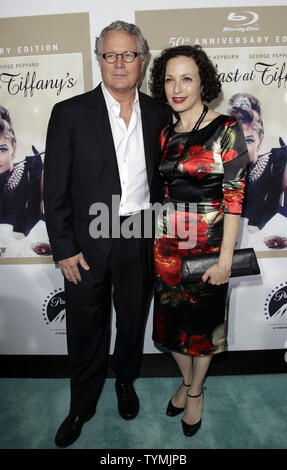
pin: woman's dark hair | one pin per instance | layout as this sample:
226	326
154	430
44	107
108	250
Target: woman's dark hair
6	127
207	72
246	109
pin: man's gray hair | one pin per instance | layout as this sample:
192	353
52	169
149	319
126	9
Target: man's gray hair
127	28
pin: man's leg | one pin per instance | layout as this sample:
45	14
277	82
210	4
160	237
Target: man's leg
132	281
88	334
88	312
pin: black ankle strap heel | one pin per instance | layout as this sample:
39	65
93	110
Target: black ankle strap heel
196	396
173	410
191	429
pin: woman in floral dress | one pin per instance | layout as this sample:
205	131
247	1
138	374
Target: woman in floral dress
203	166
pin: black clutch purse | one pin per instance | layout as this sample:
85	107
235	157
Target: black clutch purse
244	263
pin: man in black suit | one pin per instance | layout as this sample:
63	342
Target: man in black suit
103	146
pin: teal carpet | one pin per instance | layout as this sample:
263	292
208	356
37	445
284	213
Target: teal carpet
240	412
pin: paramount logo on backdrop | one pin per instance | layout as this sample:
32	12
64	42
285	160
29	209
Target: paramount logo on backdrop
276	307
242	22
54	311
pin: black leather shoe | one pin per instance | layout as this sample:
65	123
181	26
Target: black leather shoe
128	402
70	430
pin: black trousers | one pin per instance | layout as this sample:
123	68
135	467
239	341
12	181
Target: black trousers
128	279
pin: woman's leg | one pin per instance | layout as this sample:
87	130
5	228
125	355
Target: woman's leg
184	363
193	410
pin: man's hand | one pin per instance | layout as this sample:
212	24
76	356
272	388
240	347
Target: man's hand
70	268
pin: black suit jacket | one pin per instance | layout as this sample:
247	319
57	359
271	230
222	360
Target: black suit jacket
80	168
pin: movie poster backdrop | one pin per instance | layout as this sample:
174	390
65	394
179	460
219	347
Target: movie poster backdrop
39	65
248	46
43	60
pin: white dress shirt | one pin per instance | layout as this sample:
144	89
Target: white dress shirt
129	146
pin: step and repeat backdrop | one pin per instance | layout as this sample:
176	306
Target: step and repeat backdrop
249	48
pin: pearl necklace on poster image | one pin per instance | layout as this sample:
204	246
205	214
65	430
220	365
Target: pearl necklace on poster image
16	176
259	167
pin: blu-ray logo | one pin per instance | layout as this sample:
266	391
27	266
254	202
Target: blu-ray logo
251	18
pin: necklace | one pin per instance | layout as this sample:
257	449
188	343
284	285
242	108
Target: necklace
168	177
16	176
258	168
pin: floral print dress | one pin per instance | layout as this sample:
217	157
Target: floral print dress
208	182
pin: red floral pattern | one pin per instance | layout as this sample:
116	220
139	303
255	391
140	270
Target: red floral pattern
188	318
198	162
233	198
230	122
159	327
195	344
229	155
189	226
167	266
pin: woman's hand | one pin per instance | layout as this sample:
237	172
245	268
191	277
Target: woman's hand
217	274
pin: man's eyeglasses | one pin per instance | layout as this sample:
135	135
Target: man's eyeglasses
128	56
